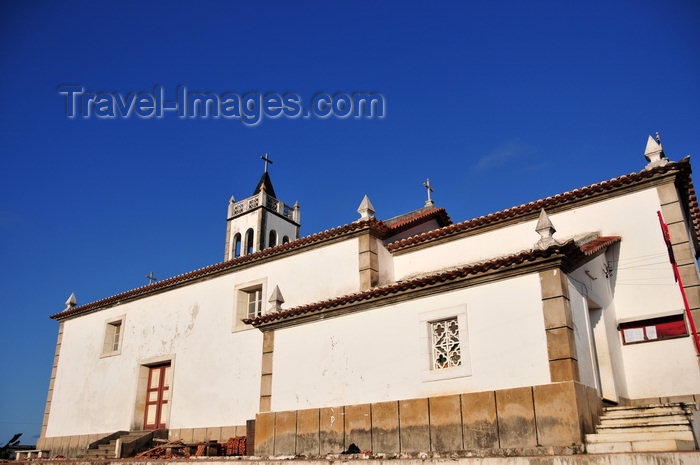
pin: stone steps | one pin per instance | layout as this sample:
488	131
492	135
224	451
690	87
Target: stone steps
647	428
641	446
653	409
108	450
651	428
647	420
642	436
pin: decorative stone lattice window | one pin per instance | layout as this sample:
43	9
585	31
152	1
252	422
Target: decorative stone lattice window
446	344
443	336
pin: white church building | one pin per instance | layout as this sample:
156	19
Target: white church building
409	334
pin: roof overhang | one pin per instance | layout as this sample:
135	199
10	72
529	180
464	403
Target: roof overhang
373	227
678	172
567	257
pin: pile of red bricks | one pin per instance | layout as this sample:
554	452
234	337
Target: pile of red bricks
234	446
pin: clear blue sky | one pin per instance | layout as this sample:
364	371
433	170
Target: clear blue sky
499	103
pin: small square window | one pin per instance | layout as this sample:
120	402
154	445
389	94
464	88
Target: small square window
113	337
446	350
653	329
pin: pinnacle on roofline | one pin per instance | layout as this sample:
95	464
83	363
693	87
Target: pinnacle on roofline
366	209
546	230
231	205
276	300
71	302
654	153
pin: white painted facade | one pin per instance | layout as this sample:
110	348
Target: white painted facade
382	352
192	327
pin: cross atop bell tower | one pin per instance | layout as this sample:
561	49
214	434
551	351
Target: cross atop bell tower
260	221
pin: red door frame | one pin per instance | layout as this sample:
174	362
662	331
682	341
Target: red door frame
159	401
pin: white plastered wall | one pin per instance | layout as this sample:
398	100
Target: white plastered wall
582	337
632	216
281	226
189	326
216	372
592	287
377	355
642	284
652	369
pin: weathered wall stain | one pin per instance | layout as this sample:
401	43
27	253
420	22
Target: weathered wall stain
555	414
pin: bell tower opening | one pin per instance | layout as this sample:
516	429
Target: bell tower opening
257	222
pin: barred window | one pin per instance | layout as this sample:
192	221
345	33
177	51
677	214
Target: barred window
445	344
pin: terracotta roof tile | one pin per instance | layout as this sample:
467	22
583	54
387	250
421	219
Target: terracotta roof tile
682	166
373	224
569	249
382	230
439	214
601	242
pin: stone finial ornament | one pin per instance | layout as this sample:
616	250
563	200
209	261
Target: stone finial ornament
366	210
654	153
276	300
71	302
546	230
296	214
231	204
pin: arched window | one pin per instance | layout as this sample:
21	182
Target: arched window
237	245
249	241
285	239
273	238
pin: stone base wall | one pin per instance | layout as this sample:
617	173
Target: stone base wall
216	433
557	414
76	446
69	446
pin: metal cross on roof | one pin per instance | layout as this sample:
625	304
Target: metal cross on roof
426	184
267	160
151	278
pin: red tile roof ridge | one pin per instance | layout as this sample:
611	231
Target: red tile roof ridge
372	223
569	248
406	223
536	205
600	242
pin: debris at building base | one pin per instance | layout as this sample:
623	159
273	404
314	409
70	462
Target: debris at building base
235	446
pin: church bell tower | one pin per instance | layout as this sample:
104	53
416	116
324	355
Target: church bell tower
260	221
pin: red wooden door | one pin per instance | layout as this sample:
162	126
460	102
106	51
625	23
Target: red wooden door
157	397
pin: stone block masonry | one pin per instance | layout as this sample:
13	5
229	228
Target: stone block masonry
551	415
76	445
